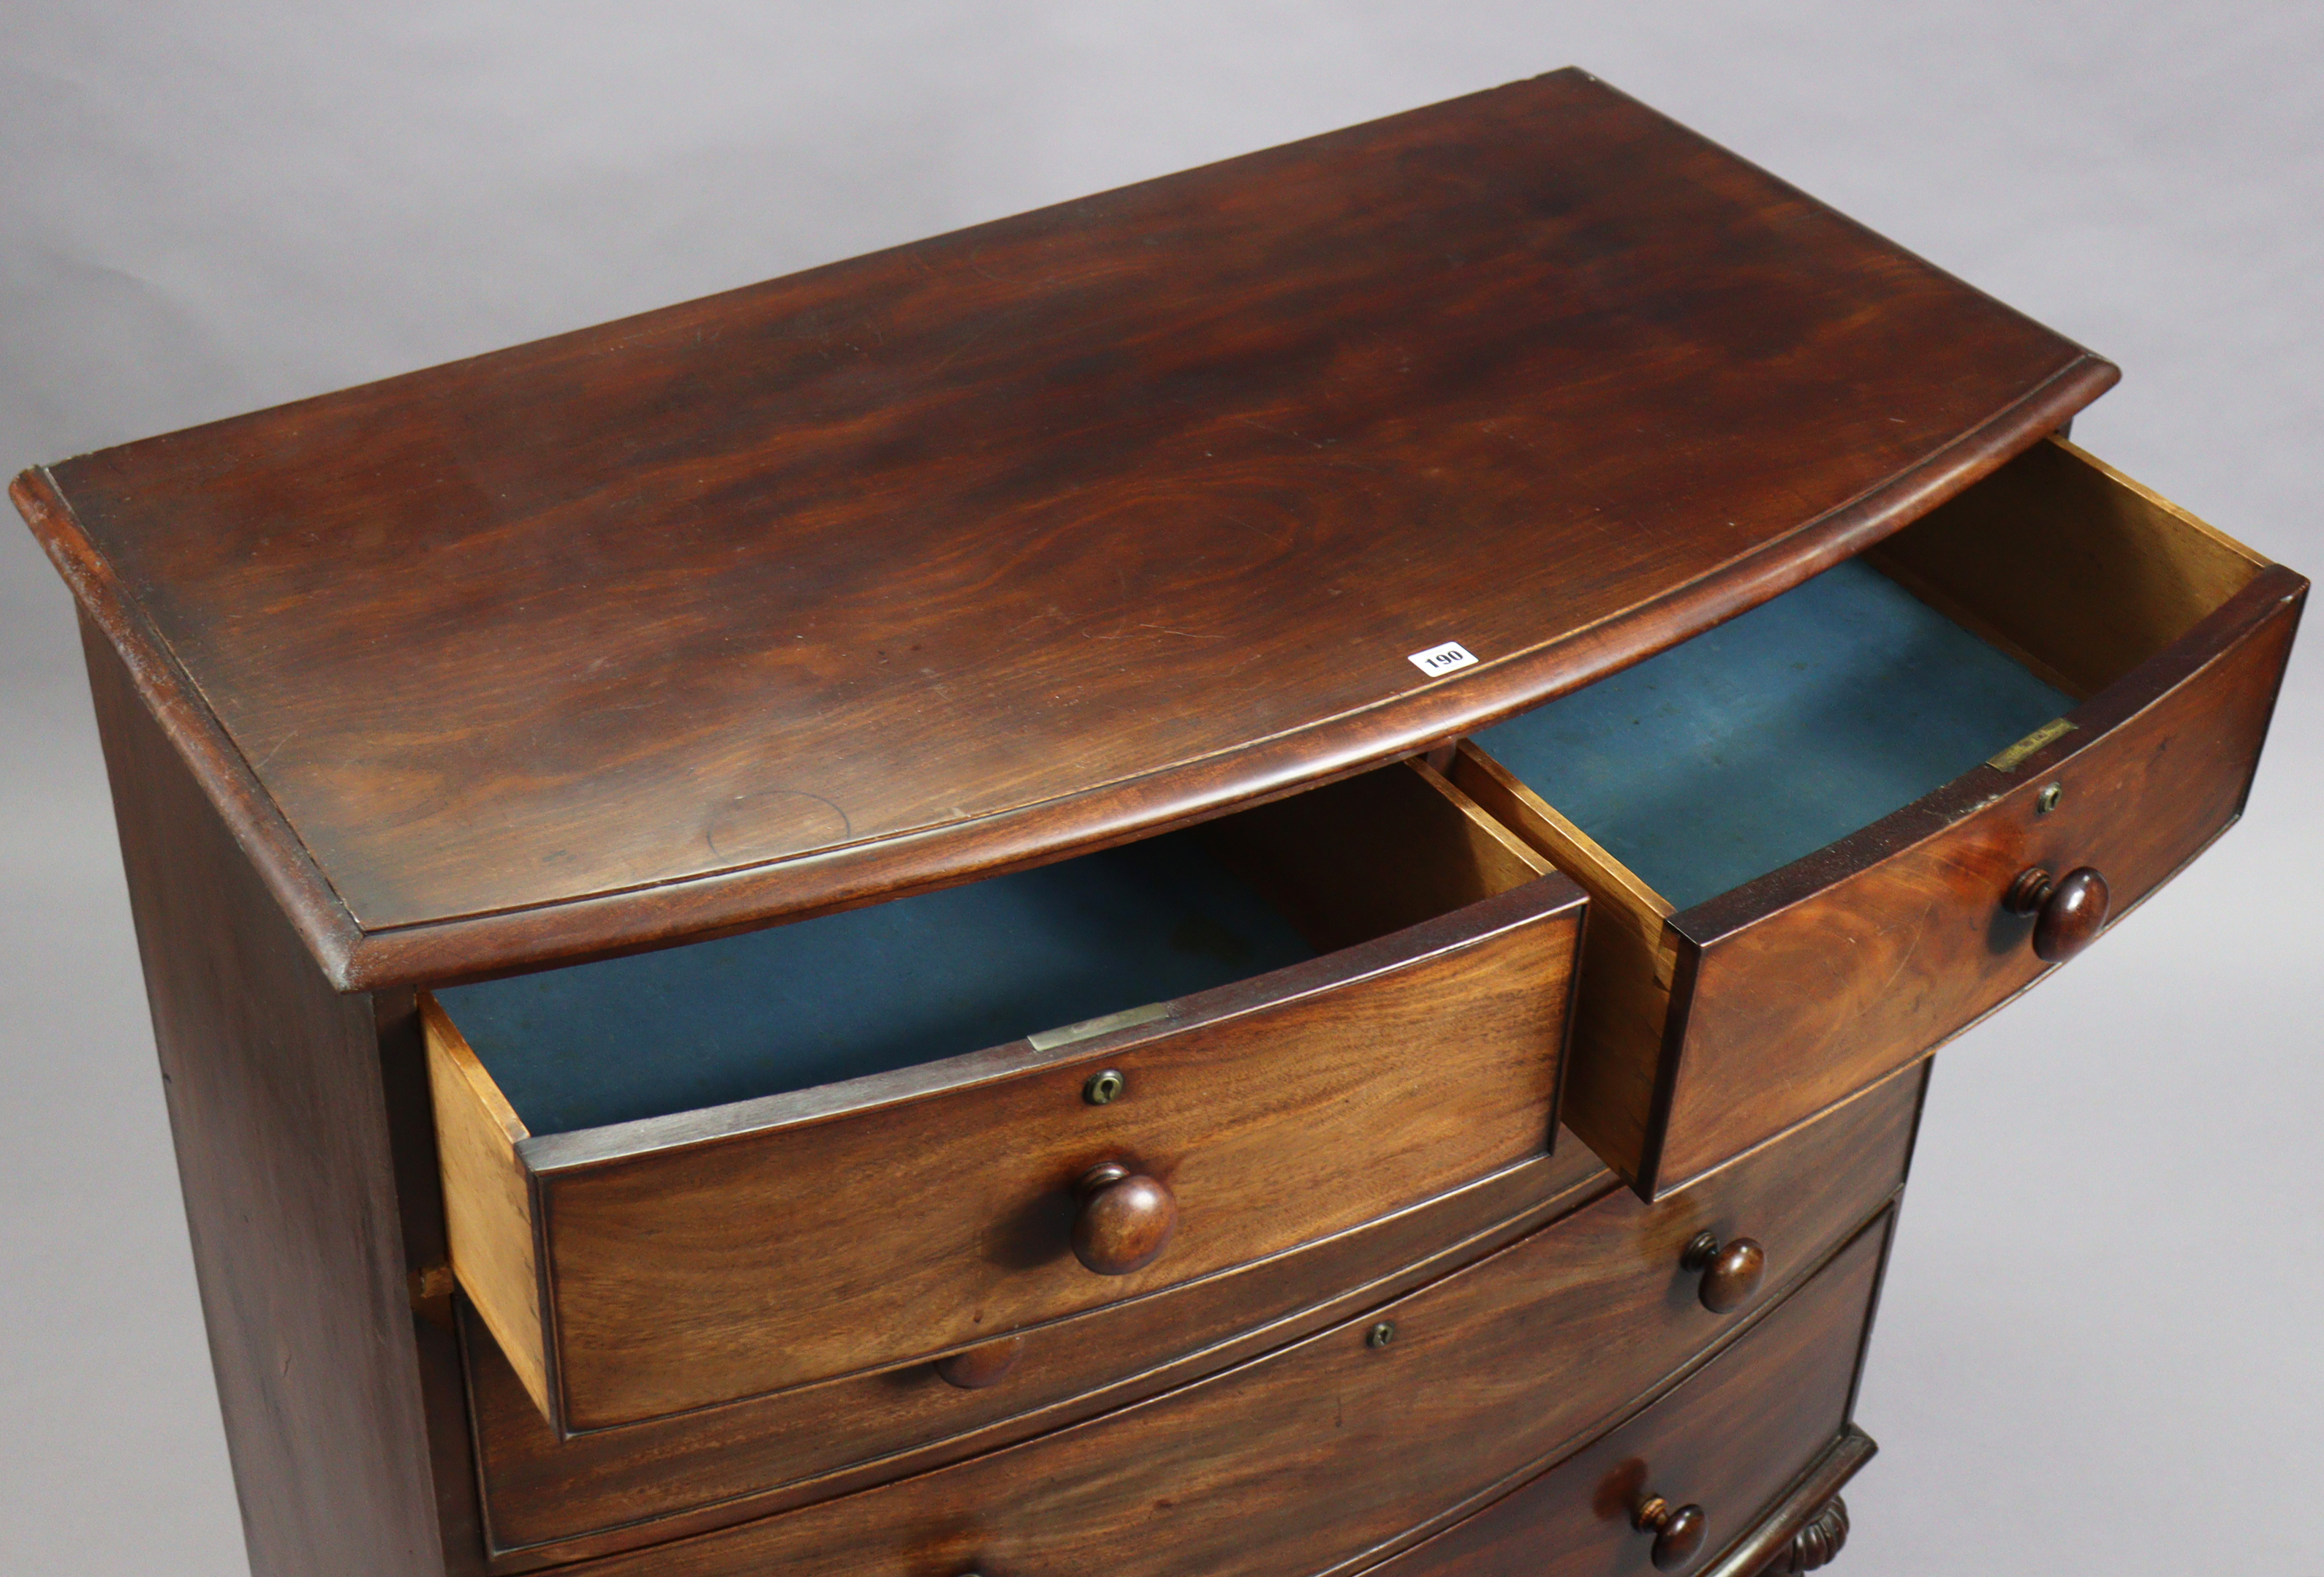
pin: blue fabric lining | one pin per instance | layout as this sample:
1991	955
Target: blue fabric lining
872	989
1780	731
1714	762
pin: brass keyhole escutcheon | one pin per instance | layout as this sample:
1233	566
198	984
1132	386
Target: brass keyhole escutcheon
1381	1335
1104	1089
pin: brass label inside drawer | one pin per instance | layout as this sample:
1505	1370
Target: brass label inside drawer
2056	728
1089	1029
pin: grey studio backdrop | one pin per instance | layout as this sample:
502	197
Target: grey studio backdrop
2097	1348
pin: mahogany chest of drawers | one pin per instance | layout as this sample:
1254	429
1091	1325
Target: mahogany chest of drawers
1254	876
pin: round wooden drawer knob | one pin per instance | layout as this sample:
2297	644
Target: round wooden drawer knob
1732	1272
1125	1220
1678	1531
979	1366
2067	913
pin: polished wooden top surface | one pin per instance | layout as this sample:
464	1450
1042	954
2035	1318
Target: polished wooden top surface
1028	538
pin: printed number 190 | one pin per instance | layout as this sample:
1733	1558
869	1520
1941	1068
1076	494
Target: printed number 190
1442	659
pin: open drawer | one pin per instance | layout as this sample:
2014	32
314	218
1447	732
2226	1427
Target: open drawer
690	1177
1829	835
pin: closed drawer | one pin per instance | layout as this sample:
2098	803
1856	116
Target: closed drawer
1726	1444
1836	830
1375	1430
549	1500
639	1251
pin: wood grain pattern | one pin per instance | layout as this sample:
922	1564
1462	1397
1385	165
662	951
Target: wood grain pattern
976	553
1373	853
700	1259
277	1107
420	1201
1629	959
1029	538
975	1369
704	1272
1318	1454
2158	767
553	1500
488	1211
1730	1439
1700	1034
2069	566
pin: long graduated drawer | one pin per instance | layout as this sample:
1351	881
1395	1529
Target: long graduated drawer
689	1178
1718	1453
1332	1448
1828	835
549	1500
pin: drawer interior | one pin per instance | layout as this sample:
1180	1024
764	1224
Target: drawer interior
1851	696
634	1263
930	976
1779	731
871	989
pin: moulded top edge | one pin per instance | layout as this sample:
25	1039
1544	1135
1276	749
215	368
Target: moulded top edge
1030	538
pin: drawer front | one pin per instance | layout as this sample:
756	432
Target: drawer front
1727	1442
1709	1025
1371	1431
650	1268
549	1500
1837	983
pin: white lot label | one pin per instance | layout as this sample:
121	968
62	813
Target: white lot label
1442	659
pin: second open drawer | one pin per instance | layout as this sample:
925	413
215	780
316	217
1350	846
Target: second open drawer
712	1173
1825	837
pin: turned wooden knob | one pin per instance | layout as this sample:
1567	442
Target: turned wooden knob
1678	1530
2067	913
1732	1272
1125	1220
980	1367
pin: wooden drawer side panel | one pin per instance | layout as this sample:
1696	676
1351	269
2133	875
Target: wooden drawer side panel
487	1198
1629	960
1373	853
2069	566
